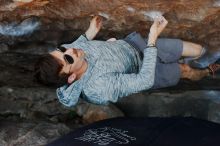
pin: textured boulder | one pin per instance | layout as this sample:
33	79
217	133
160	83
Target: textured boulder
30	114
92	113
62	20
200	104
16	133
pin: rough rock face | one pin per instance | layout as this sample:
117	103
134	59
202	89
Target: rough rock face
200	104
26	133
30	28
196	20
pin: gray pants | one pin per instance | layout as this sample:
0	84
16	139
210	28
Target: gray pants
167	72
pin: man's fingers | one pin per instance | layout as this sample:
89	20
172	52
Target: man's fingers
94	18
98	21
163	24
163	20
156	22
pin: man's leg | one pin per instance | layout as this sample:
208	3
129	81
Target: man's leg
168	71
199	57
172	50
193	74
192	50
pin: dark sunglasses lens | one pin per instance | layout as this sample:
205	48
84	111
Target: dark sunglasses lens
68	58
62	49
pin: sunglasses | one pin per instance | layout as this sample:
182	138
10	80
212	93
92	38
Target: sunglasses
69	59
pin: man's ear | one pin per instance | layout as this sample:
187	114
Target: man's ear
71	78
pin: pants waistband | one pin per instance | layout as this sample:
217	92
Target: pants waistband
134	46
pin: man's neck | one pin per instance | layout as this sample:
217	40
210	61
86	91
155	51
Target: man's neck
83	69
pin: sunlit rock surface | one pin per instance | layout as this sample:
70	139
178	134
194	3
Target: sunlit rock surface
30	28
197	20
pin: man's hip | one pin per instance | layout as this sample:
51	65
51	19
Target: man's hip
167	72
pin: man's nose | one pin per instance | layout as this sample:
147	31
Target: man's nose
74	52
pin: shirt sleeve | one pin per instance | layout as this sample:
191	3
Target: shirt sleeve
109	87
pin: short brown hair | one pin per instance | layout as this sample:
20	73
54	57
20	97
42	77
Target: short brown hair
47	71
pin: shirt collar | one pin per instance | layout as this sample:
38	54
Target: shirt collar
69	94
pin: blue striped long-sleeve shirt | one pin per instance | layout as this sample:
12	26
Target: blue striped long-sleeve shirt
114	70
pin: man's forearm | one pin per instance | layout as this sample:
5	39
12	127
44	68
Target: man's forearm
90	34
94	27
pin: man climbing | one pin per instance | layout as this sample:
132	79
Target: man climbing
105	71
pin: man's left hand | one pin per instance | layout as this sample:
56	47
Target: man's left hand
94	27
